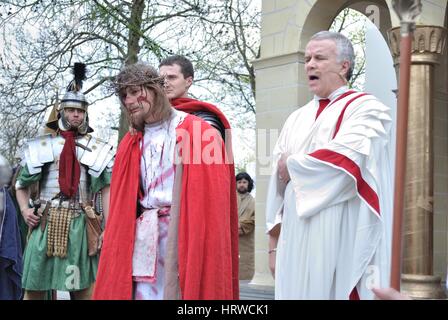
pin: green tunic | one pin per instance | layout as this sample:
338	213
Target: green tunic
75	272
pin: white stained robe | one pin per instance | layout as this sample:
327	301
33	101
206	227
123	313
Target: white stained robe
157	173
336	212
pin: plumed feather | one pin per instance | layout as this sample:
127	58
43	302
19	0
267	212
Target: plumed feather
79	71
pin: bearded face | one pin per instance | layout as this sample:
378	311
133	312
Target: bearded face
139	102
242	186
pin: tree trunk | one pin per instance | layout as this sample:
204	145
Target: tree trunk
135	27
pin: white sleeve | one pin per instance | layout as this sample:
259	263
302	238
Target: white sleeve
276	188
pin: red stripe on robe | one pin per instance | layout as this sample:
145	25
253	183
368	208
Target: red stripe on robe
343	162
339	160
341	115
365	191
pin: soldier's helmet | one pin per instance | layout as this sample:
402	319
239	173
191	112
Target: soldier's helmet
75	99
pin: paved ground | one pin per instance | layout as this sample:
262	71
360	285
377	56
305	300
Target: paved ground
247	292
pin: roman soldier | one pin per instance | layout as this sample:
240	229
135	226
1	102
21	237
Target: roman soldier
71	169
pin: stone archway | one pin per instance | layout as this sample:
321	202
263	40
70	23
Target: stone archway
323	13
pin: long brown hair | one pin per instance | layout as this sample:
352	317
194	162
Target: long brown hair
144	75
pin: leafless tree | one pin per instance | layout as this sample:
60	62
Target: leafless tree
41	40
348	23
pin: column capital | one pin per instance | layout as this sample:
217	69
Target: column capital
428	44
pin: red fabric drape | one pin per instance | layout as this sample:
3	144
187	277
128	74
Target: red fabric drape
69	169
208	252
191	105
114	276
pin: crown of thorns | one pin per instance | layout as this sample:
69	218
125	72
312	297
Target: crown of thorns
136	77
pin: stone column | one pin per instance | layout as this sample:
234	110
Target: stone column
417	264
281	84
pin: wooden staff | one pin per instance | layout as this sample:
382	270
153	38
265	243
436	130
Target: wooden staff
407	11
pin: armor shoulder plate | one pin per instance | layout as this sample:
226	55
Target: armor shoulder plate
96	155
38	151
212	120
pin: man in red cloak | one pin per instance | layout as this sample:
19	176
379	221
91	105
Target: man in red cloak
172	230
178	72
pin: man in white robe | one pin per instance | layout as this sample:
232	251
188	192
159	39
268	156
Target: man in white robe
329	203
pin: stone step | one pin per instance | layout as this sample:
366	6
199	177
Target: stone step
255	292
